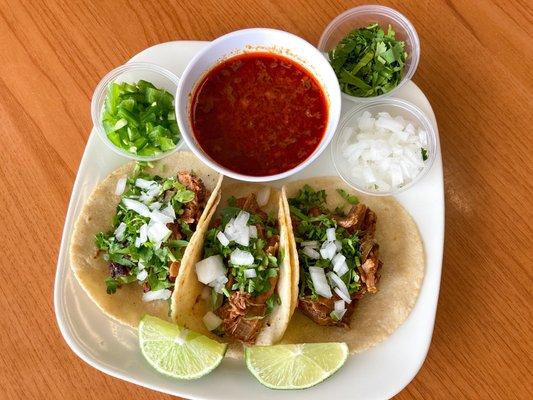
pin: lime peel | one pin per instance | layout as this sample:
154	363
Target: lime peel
176	351
296	366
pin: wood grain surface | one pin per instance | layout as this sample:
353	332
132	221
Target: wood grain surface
475	69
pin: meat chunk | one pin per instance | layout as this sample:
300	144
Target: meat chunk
261	231
354	219
245	330
314	212
194	208
194	184
237	317
368	227
116	269
191	212
366	247
272	245
176	232
370	272
319	310
173	270
249	203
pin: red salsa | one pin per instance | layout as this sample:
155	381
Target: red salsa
259	114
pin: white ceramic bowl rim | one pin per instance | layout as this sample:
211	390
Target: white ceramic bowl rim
333	98
410	108
101	92
401	20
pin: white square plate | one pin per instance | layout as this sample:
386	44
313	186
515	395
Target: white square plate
378	373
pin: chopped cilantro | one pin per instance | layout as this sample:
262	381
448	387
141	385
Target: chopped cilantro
265	264
424	154
346	196
368	62
126	257
311	228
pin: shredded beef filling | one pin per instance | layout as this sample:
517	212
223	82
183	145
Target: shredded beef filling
359	219
193	209
242	315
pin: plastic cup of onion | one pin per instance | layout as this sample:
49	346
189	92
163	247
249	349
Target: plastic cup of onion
384	147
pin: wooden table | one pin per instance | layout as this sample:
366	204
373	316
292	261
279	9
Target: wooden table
476	71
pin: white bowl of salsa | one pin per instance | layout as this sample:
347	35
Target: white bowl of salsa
258	104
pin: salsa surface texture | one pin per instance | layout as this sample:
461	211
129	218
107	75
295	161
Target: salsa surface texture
259	114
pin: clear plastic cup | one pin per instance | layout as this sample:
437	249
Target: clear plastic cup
359	17
394	107
132	73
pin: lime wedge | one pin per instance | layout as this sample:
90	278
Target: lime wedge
176	351
295	366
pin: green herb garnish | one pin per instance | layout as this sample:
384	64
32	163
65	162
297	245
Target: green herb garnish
424	154
351	199
266	264
125	253
140	119
313	228
368	62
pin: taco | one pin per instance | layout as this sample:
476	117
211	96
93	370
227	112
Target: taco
136	230
237	286
358	264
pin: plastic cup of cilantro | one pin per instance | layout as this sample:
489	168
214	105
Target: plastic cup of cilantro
133	111
374	51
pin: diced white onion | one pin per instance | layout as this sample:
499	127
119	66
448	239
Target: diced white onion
328	250
338	245
155	206
310	243
154	190
146	198
242	218
162	294
337	260
342	295
339	283
311	253
143	236
222	239
229	230
252	231
263	195
330	233
158	216
144	184
211	321
142	275
341	269
384	152
141	265
339	313
219	283
121	185
169	211
157	232
339	305
241	257
136	206
119	232
320	282
250	273
210	268
237	230
243	236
